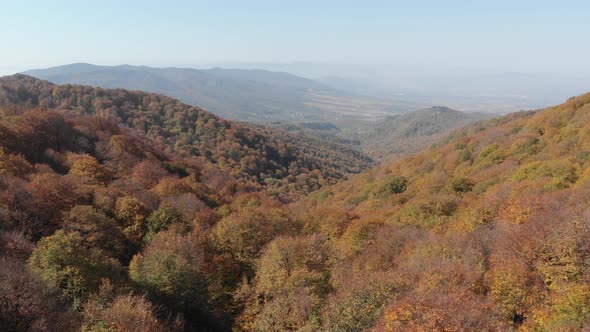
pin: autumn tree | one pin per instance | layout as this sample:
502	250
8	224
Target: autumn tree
27	303
96	229
292	278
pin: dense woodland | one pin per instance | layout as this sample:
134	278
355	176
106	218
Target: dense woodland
284	164
115	216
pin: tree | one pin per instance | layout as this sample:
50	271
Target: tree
96	229
461	185
13	164
27	303
132	214
161	219
171	270
46	130
244	233
63	260
512	289
87	166
292	280
123	313
291	262
51	194
393	185
148	173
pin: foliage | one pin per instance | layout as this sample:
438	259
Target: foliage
161	219
63	260
461	185
96	229
121	313
245	232
171	269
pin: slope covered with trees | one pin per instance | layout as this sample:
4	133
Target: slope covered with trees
487	232
79	197
104	226
283	163
125	210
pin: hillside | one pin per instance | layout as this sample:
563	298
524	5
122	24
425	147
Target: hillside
283	163
121	210
486	232
104	225
79	197
413	131
235	94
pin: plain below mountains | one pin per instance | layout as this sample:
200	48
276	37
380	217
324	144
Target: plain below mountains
236	94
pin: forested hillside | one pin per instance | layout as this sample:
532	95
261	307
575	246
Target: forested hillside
487	232
285	164
125	210
115	215
79	197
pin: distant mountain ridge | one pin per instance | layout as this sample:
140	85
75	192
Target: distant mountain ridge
238	94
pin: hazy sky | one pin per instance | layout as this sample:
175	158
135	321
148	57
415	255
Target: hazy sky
497	34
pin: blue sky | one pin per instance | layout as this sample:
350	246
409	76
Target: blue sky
504	35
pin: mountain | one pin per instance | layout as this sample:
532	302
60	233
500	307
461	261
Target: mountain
238	94
411	132
283	163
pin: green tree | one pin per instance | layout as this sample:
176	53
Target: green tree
461	185
63	259
393	185
160	219
171	270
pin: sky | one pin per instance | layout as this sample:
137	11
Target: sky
500	35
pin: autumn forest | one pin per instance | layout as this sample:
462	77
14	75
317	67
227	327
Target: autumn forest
131	211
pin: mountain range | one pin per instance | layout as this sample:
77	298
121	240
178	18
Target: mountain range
238	94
